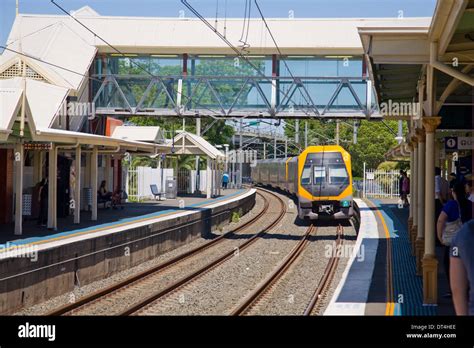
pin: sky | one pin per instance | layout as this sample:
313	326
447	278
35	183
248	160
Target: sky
233	8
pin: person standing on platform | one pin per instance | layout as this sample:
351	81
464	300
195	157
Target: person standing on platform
454	213
441	192
405	189
470	190
225	180
462	269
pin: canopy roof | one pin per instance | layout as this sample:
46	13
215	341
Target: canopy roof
40	114
55	43
172	35
398	57
147	134
191	144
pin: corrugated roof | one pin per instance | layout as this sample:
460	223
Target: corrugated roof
172	35
10	95
191	144
55	43
139	133
41	113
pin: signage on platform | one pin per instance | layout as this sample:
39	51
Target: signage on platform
458	143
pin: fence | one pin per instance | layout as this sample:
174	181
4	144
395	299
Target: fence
381	183
138	181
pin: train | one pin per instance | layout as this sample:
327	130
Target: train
320	177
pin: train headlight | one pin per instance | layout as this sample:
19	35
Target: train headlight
345	204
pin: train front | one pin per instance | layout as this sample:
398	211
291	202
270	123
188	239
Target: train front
325	183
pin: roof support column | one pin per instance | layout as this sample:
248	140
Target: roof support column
77	187
94	164
420	172
52	188
198	133
19	161
239	156
87	178
430	263
37	166
414	192
208	178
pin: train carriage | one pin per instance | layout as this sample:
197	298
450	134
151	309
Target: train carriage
320	178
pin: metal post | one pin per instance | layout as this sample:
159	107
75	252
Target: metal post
77	188
355	133
275	146
239	157
337	132
297	131
19	161
208	178
264	150
198	133
52	183
94	164
305	134
363	183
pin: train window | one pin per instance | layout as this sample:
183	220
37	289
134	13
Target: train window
337	173
319	174
306	175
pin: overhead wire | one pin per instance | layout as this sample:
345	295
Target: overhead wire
228	43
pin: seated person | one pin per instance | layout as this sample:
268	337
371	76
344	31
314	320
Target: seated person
104	195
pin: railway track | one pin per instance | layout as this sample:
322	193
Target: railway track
327	277
265	287
134	286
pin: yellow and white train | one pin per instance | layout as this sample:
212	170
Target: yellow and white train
320	177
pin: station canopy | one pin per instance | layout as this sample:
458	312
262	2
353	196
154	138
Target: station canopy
399	56
149	134
185	143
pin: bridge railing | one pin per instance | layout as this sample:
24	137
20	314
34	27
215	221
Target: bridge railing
233	96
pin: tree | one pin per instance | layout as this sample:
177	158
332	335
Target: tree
373	141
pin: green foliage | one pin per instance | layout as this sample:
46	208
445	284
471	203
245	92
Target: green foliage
373	141
235	216
388	165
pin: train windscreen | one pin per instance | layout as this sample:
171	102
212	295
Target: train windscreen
325	174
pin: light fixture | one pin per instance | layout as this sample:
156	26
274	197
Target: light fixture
338	57
164	55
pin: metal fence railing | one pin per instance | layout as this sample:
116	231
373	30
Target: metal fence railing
381	183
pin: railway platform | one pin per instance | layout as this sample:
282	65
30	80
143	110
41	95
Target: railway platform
76	255
108	218
381	276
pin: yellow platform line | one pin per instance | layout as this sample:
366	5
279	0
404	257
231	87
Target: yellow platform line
390	305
